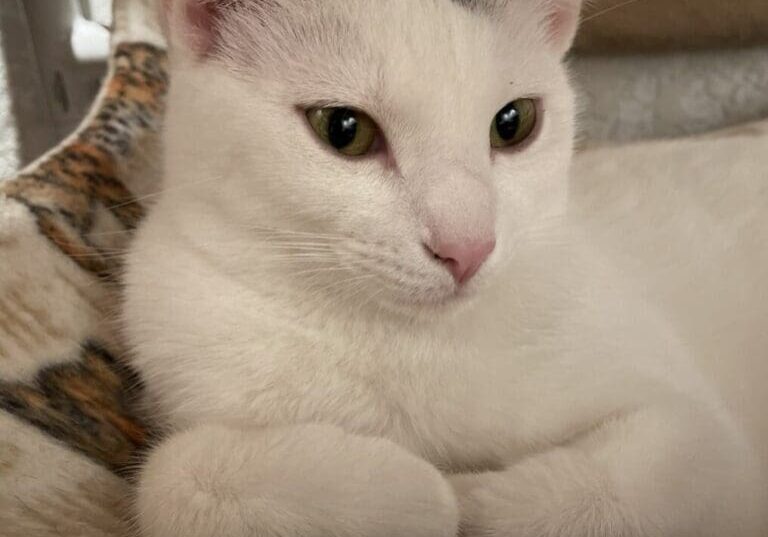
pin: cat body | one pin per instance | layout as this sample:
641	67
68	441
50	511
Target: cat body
319	370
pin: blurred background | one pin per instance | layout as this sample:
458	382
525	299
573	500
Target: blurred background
52	58
645	69
662	68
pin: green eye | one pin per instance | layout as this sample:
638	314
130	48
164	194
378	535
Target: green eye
348	131
514	123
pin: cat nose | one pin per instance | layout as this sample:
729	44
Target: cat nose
464	259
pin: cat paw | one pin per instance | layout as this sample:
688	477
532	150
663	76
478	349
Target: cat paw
554	495
298	481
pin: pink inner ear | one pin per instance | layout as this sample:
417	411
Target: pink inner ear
202	17
563	21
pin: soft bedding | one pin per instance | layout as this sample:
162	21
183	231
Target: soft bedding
70	429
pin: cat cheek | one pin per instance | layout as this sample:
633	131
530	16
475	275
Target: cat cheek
562	23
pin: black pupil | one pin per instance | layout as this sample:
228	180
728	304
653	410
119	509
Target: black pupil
508	122
342	128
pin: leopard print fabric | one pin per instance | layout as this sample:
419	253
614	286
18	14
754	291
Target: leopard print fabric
65	188
63	223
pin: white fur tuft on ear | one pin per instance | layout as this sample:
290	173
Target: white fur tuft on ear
563	21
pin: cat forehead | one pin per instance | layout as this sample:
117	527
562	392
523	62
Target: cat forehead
367	29
412	59
483	6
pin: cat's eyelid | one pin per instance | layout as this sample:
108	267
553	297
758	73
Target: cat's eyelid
330	103
535	97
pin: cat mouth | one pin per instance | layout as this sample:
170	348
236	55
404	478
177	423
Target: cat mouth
437	301
426	287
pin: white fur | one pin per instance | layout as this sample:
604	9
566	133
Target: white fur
277	285
686	220
287	481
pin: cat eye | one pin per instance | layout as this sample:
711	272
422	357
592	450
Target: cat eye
348	131
514	123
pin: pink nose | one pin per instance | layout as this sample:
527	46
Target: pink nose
464	259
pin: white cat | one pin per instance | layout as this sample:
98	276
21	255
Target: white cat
362	310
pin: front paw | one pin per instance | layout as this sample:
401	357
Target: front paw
298	481
556	495
667	471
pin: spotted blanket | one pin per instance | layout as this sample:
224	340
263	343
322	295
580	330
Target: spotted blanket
70	428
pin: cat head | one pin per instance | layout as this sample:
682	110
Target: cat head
398	151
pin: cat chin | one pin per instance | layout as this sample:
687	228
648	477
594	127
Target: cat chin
438	305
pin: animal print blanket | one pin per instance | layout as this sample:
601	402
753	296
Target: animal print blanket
69	427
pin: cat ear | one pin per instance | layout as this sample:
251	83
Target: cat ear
562	22
195	24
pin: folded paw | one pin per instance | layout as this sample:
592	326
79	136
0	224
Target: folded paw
299	481
559	494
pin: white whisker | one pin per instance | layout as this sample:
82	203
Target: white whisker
160	192
607	10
